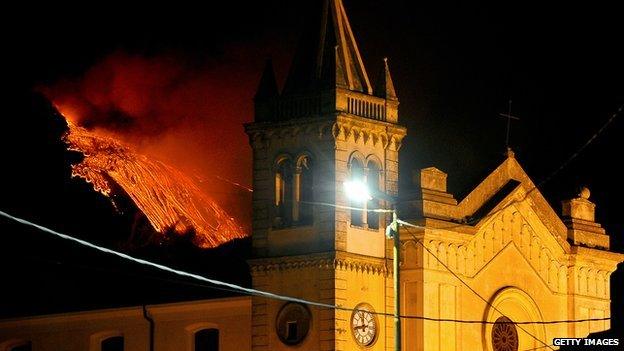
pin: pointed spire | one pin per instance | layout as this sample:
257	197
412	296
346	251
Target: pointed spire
384	87
327	55
339	75
266	95
267	88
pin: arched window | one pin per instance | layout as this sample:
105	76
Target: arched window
302	212
293	191
373	177
358	217
115	343
368	172
283	193
207	340
26	346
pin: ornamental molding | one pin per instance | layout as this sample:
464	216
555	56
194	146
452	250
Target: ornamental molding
261	135
368	134
340	262
524	194
467	256
361	132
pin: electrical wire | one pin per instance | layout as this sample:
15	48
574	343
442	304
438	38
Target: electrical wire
466	284
473	221
255	292
583	147
220	285
343	207
539	185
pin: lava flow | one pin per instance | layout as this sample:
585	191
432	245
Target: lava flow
169	199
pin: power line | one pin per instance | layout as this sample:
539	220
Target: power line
160	266
466	284
253	292
584	146
220	285
129	274
343	207
540	184
473	221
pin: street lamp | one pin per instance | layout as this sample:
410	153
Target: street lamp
357	190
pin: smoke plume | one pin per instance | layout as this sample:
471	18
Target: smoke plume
185	113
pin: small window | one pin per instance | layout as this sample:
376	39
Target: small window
23	347
293	323
370	174
115	343
291	332
207	340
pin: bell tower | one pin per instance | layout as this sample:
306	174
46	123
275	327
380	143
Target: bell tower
328	124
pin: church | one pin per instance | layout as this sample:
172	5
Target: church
479	273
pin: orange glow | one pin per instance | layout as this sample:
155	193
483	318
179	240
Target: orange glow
170	108
168	198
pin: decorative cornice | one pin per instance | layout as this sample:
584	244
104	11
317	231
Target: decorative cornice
357	130
577	273
261	134
368	132
332	261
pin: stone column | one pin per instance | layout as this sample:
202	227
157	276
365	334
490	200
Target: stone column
296	198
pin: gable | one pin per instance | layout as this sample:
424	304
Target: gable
508	185
516	227
516	224
519	228
511	267
510	170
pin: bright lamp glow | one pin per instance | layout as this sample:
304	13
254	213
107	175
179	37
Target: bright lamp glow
357	190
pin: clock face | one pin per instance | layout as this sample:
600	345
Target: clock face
364	325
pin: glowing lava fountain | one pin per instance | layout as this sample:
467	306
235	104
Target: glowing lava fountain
169	199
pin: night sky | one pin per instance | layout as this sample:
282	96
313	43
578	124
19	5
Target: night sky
454	65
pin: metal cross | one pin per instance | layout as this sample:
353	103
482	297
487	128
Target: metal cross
509	117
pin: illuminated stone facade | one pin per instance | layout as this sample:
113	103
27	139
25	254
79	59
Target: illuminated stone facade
503	239
517	254
173	327
327	125
328	110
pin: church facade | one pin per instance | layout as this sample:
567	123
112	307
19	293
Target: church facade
500	255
